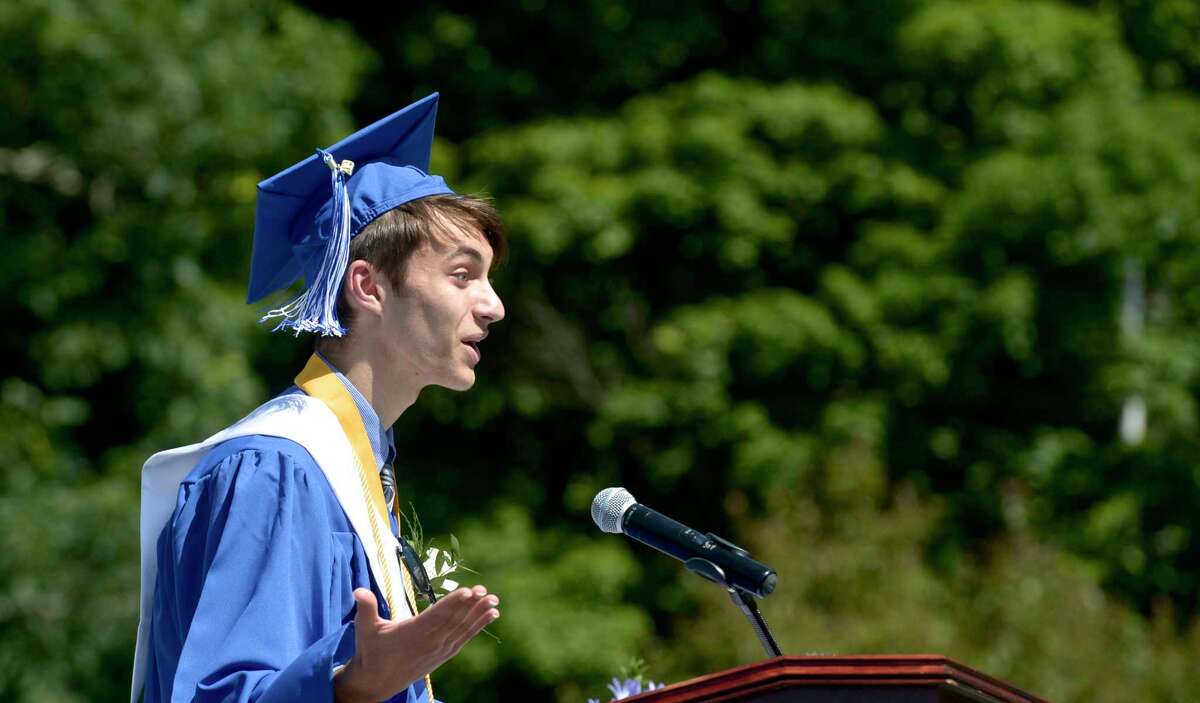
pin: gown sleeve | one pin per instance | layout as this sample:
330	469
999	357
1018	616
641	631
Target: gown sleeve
254	607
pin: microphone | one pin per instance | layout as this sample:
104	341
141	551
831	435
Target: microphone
616	511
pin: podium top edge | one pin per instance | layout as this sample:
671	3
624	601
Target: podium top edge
837	669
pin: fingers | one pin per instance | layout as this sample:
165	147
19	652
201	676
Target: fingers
448	607
460	608
453	619
482	613
391	654
481	603
486	618
366	611
483	616
479	609
459	599
490	616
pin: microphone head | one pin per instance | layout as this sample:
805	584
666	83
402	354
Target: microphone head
609	506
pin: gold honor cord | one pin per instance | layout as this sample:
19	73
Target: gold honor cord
319	381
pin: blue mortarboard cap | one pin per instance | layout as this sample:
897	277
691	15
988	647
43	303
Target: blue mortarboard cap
307	214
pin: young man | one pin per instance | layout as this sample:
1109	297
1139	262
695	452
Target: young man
271	563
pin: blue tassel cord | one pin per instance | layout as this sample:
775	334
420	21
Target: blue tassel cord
315	310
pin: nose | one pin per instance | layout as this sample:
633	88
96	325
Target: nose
488	307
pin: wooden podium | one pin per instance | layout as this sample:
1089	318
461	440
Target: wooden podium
882	678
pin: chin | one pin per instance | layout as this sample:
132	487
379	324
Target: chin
462	382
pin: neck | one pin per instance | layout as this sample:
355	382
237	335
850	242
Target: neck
389	394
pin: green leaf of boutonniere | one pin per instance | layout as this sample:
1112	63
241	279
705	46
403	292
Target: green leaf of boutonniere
443	565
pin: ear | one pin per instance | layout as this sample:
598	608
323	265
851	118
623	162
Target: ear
365	289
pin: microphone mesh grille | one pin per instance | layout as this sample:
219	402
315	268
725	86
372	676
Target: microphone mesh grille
609	507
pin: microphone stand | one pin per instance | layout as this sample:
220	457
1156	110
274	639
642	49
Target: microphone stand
743	600
748	606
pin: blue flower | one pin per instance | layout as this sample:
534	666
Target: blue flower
629	687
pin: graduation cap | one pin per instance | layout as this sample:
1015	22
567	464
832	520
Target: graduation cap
307	214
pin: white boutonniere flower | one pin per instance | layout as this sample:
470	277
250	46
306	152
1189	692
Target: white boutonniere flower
443	566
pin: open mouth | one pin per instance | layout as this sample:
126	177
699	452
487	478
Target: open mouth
474	347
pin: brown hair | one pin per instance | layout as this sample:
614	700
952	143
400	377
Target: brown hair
389	240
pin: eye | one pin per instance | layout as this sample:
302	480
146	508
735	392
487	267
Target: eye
461	275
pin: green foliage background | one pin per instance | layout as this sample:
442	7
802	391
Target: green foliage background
841	281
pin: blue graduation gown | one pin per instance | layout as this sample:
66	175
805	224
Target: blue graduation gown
257	568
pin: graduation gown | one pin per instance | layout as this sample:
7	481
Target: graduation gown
256	573
256	567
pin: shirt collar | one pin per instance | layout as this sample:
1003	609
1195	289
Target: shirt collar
382	441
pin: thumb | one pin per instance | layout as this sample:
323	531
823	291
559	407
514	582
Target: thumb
366	612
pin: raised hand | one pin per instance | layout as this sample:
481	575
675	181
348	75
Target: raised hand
391	655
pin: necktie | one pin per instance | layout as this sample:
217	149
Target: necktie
387	476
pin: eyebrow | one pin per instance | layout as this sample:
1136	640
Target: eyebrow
467	251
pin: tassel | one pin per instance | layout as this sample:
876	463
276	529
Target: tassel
315	310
